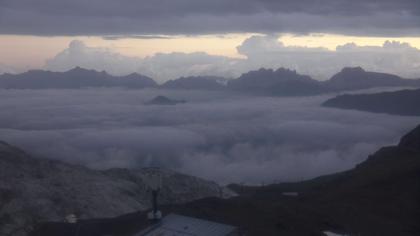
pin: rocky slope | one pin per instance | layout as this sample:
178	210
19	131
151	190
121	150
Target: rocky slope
34	190
380	196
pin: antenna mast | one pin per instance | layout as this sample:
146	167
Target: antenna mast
154	182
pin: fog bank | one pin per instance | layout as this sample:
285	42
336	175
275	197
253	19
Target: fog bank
223	137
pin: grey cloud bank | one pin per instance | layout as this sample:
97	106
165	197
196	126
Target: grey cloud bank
107	17
223	137
260	51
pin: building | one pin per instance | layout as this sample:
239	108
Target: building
178	225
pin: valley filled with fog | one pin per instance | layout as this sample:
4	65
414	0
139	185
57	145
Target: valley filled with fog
221	136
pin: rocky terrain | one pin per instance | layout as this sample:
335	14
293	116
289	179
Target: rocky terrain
404	102
36	190
380	196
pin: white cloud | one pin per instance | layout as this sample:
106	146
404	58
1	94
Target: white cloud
393	57
261	51
6	69
215	135
78	54
263	45
165	66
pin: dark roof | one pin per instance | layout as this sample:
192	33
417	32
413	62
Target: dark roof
123	225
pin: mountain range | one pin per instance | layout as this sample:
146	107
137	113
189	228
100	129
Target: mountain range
280	82
72	79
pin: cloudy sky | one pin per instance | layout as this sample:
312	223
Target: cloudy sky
219	136
226	37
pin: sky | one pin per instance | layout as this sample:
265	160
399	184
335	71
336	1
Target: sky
144	34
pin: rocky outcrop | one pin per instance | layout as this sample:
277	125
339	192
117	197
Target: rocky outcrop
162	100
403	102
35	190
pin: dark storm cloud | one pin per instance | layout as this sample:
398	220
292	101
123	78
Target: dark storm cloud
117	37
107	17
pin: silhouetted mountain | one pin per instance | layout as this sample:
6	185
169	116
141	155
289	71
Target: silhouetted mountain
378	197
34	190
357	78
404	102
162	100
282	82
75	78
195	82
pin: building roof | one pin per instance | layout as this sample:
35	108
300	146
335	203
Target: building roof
177	225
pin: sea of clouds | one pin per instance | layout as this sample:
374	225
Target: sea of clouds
215	135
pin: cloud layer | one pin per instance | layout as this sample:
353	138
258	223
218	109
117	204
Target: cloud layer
6	69
228	138
104	17
260	51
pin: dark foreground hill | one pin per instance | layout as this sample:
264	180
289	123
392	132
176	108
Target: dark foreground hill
34	190
380	196
404	102
75	78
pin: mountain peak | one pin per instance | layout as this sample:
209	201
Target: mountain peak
79	69
352	70
411	140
